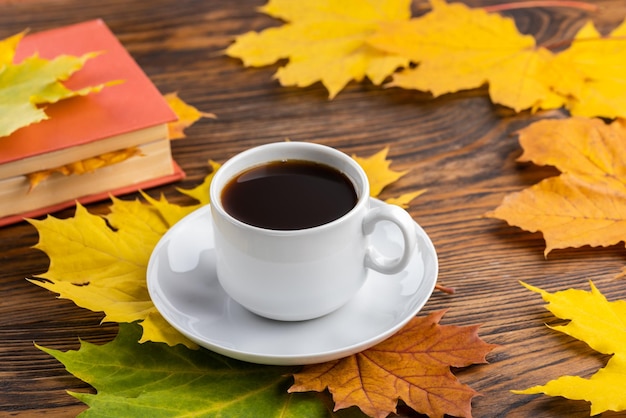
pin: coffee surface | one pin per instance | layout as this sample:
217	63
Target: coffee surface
288	195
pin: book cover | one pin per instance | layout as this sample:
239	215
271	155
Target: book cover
133	105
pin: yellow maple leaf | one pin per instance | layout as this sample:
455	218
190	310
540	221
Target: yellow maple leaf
201	192
186	114
456	49
8	47
460	48
602	325
34	81
102	267
404	199
378	172
88	165
586	204
325	41
590	73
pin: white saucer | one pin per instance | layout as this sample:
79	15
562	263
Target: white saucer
184	288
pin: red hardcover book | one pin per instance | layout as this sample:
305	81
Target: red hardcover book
131	113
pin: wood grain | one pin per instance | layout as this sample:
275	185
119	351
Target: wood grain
460	147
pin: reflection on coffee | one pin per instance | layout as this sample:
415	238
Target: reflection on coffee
288	195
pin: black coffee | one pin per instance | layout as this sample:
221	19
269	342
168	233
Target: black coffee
287	195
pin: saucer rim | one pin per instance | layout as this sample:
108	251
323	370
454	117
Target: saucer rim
299	358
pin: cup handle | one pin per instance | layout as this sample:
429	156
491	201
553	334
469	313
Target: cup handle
401	218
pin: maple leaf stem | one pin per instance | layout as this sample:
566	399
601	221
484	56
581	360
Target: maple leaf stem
542	3
566	42
445	289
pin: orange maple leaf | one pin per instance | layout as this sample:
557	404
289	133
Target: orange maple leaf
413	365
586	204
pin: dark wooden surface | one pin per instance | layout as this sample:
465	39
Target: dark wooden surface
460	147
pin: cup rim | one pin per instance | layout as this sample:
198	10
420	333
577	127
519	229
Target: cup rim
363	189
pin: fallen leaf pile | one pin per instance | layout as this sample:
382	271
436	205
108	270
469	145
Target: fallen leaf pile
452	48
602	325
33	82
586	203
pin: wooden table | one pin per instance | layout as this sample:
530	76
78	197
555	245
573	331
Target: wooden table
460	147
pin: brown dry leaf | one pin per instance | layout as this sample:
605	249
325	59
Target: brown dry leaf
187	116
454	47
586	204
413	365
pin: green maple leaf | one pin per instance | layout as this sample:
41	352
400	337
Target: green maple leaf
156	380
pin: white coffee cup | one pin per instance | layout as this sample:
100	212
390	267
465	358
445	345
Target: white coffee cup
302	274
